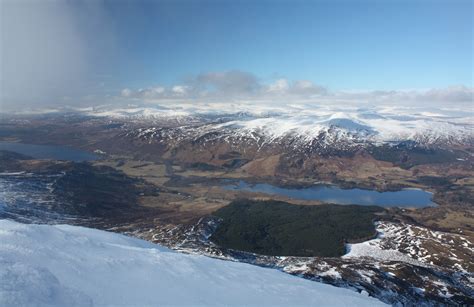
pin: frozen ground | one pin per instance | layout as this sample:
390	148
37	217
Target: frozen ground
44	265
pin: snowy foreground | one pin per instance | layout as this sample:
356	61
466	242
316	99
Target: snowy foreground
76	266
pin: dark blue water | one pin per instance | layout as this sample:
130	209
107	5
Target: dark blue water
53	152
412	198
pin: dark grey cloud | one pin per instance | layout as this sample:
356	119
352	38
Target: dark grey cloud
50	51
41	50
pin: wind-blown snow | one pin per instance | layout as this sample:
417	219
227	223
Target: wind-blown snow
75	266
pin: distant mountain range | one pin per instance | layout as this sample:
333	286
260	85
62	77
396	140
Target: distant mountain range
297	126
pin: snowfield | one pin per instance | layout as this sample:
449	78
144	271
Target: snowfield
45	265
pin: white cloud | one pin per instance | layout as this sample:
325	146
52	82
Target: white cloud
158	90
296	88
305	87
126	92
235	86
453	93
437	96
228	85
180	90
279	86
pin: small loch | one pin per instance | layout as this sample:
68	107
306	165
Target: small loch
408	198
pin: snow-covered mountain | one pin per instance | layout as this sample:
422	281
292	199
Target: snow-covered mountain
302	124
45	265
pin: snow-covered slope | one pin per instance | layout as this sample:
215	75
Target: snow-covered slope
42	265
302	123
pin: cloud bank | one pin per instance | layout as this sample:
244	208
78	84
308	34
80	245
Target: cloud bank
235	86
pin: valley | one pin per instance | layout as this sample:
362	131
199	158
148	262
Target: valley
236	153
164	186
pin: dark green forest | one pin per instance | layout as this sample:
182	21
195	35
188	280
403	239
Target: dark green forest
283	229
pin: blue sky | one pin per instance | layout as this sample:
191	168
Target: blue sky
340	45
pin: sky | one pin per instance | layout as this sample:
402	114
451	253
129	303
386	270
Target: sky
88	52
